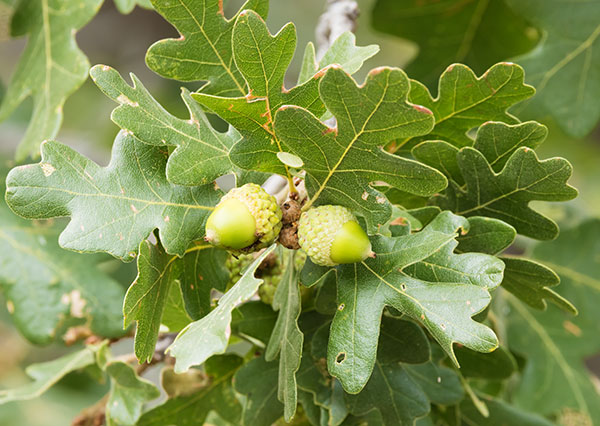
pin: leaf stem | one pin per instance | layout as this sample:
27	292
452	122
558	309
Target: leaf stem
477	402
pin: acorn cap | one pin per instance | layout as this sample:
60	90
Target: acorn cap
330	235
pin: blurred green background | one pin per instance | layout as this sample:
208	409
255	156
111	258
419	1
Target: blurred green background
121	42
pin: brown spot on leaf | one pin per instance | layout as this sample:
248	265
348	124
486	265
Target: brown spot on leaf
422	109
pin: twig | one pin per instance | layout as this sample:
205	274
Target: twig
340	16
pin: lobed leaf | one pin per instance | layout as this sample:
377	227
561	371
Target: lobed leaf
286	338
128	394
162	277
203	52
263	60
114	208
466	101
506	195
201	155
210	335
50	69
341	163
419	275
531	282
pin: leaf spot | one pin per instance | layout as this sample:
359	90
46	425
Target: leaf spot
572	328
167	218
340	357
134	209
365	195
47	169
380	199
122	99
341	307
422	109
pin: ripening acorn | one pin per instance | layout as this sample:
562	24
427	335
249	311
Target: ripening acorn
246	219
330	235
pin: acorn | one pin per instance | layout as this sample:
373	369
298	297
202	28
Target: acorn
331	235
246	219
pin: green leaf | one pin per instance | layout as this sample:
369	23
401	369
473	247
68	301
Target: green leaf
203	52
257	380
325	391
498	141
263	60
341	163
465	101
47	287
216	394
254	319
564	66
47	374
51	67
478	33
531	281
126	6
486	235
419	275
162	277
201	154
286	339
498	365
575	256
554	343
440	384
210	335
402	392
128	394
343	52
402	341
393	393
506	195
112	209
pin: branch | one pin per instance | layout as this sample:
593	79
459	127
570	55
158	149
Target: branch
340	16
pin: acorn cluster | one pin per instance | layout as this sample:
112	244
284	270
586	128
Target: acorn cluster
248	219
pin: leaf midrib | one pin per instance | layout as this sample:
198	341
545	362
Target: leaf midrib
212	46
118	197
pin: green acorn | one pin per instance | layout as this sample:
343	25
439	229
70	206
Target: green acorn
246	219
330	235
